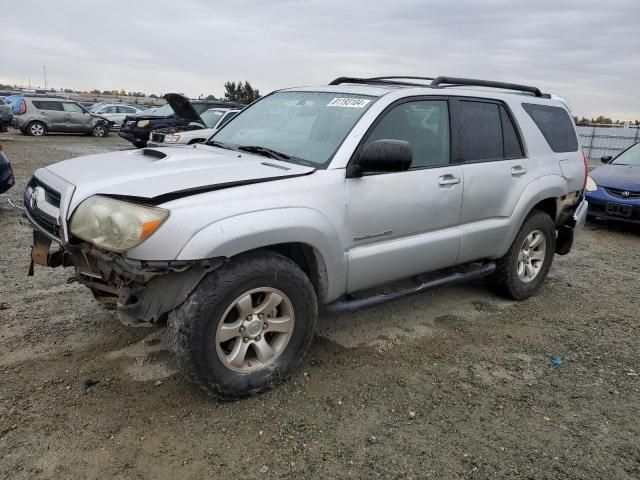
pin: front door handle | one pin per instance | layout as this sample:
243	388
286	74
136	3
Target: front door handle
448	179
518	170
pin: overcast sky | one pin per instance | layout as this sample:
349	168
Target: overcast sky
588	51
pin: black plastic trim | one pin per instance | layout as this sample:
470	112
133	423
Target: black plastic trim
167	197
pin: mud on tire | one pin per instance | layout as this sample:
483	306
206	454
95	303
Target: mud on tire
193	327
505	280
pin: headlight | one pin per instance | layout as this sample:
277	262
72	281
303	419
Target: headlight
172	138
115	225
591	186
142	123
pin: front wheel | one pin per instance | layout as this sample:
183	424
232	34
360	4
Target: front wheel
246	327
523	270
100	130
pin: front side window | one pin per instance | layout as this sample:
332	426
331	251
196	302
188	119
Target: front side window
424	124
126	110
630	156
307	127
72	108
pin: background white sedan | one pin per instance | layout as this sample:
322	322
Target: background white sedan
116	112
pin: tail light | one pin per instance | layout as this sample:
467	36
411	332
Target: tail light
586	170
23	106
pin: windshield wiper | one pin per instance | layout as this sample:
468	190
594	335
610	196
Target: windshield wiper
215	143
267	152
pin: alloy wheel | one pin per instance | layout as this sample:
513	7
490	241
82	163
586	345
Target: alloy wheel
255	329
531	256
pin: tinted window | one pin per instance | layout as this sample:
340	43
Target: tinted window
511	142
556	126
72	108
47	105
424	124
126	110
480	131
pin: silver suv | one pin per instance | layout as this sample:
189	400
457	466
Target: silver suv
40	115
316	197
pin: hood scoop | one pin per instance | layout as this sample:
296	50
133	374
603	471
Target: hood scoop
150	152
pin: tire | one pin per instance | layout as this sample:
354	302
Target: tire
139	144
198	329
36	129
100	130
518	283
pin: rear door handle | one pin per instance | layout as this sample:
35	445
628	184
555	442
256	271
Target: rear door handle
518	170
448	180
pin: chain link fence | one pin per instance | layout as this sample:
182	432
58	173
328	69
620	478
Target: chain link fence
601	140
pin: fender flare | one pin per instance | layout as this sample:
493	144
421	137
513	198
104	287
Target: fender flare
543	188
234	235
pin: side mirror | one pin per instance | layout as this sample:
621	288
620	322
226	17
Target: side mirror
606	158
384	155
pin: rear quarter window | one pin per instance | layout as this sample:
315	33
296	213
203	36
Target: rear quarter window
556	126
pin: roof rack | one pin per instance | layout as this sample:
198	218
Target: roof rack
381	81
455	81
440	82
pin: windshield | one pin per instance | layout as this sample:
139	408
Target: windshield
306	126
211	117
629	157
163	111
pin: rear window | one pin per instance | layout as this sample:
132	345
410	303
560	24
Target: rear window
47	105
486	132
556	126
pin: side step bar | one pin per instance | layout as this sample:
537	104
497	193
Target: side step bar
471	271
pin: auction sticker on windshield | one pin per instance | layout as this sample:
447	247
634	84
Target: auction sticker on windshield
348	102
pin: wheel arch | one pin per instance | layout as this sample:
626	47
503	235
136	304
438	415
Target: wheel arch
304	235
542	194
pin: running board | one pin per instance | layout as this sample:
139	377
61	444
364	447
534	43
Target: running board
471	271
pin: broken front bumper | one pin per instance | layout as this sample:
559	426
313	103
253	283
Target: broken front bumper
141	291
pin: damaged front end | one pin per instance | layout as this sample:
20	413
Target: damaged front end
140	291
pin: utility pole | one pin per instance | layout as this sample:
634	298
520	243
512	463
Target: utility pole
44	72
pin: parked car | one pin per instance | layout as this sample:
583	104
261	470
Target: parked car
214	119
6	115
179	111
311	197
613	190
6	173
41	115
115	112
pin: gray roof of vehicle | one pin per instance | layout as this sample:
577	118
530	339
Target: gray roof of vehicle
380	90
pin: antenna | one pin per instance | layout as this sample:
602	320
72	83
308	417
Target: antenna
44	73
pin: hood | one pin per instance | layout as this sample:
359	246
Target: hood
183	107
625	177
159	174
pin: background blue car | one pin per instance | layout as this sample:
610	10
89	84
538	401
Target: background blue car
613	190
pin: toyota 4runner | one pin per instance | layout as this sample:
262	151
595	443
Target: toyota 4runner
316	197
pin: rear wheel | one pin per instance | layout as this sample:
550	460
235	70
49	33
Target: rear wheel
246	327
36	129
523	270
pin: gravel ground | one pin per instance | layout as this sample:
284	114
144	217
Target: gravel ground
454	383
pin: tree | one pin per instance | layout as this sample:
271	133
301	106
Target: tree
153	95
240	92
210	97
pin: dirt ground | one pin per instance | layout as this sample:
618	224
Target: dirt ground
454	383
